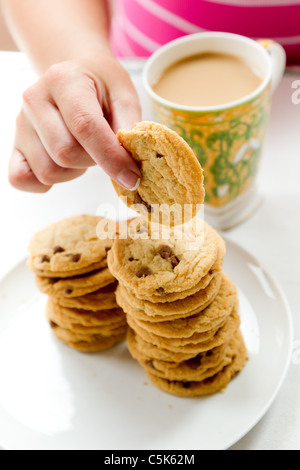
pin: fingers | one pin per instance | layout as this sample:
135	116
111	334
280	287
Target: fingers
68	123
124	103
84	118
31	168
21	176
53	133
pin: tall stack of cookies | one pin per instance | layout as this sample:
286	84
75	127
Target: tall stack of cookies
70	263
182	310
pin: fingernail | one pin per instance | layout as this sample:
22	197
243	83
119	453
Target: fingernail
128	180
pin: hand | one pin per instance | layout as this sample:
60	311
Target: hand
68	123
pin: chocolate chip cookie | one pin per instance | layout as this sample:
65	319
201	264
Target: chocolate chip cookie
197	342
75	286
199	368
69	248
213	384
171	174
207	319
154	267
86	331
168	311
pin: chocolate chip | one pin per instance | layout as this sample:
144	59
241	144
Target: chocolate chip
150	364
143	272
160	291
139	200
45	259
58	249
130	259
74	258
195	362
186	384
174	261
52	324
159	155
108	289
209	380
68	291
165	251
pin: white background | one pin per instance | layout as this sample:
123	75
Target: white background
272	235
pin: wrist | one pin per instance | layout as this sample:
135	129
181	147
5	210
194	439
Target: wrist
76	51
86	51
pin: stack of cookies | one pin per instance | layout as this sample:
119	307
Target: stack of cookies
70	263
182	310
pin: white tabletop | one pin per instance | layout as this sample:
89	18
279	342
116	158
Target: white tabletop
272	235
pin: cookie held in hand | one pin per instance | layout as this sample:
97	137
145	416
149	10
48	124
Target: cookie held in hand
171	190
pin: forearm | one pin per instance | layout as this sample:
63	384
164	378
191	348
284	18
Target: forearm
52	31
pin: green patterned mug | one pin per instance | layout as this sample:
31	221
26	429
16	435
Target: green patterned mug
227	139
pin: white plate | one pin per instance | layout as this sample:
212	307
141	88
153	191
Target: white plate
52	397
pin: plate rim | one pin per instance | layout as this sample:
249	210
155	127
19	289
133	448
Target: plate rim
289	318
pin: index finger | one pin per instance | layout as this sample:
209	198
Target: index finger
78	102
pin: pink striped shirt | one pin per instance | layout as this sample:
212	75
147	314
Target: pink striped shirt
139	27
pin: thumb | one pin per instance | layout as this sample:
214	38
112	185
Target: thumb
125	107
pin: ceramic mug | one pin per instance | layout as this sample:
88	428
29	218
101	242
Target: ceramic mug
227	139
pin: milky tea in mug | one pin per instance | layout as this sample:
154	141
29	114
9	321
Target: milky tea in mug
214	89
208	79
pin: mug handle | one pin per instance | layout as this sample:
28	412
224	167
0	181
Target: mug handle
278	57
